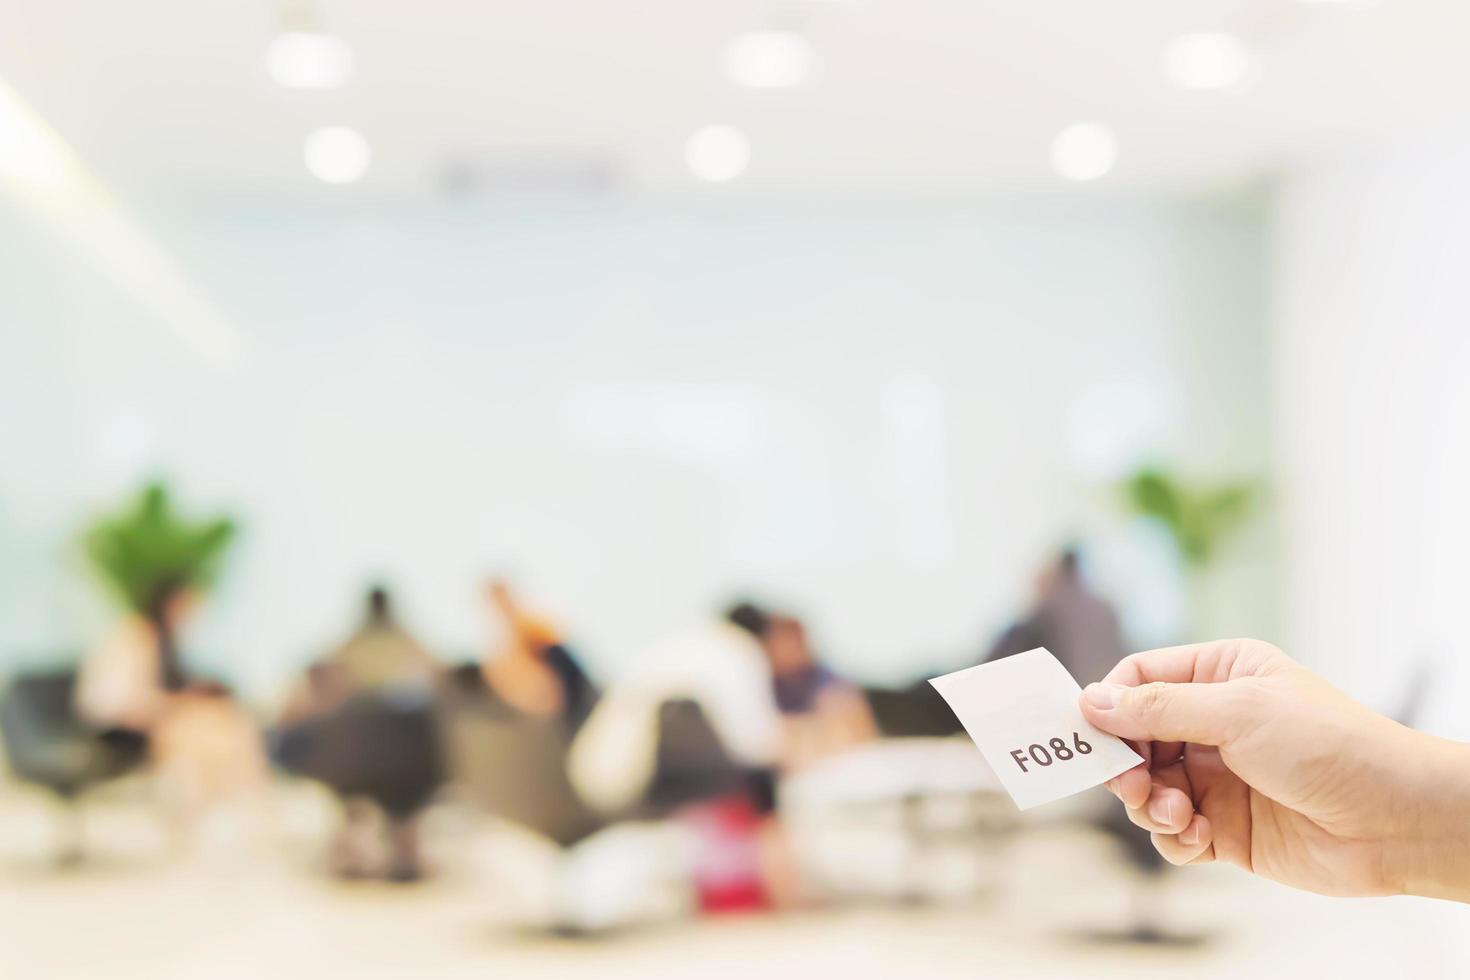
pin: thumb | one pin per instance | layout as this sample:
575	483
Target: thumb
1206	714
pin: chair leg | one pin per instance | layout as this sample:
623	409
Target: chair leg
405	864
347	855
70	846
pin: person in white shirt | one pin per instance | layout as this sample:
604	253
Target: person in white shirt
720	666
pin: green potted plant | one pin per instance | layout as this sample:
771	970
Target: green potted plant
149	555
1199	519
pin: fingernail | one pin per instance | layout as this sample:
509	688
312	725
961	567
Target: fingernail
1190	834
1102	695
1162	810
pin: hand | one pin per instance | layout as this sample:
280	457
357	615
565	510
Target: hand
1252	759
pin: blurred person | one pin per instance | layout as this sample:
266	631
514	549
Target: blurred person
123	681
820	712
718	666
204	750
1077	625
693	728
208	758
380	657
534	670
1081	629
1252	759
362	721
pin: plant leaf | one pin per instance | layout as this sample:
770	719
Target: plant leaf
148	550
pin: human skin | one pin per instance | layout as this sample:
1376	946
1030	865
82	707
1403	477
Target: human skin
1252	759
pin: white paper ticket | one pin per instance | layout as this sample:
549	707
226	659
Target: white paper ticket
1022	713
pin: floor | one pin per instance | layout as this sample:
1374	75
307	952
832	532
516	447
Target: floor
136	911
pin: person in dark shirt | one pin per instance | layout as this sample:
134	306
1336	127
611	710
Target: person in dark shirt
1077	625
820	712
362	721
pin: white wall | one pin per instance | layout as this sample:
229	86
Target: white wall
1373	431
883	415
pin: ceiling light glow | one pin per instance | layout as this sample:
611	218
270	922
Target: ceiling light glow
1210	61
337	154
769	59
717	153
309	60
1084	151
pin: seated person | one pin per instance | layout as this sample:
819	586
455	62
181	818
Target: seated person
380	657
1076	624
691	725
533	671
126	679
208	754
820	712
362	722
1081	630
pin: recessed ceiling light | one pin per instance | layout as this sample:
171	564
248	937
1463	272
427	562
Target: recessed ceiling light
1210	61
309	60
337	154
1084	151
769	59
717	153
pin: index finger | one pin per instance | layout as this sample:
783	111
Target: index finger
1200	663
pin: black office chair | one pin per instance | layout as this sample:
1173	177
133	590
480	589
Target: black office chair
379	748
693	766
910	712
47	743
513	765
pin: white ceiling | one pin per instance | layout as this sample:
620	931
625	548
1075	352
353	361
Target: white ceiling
908	95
